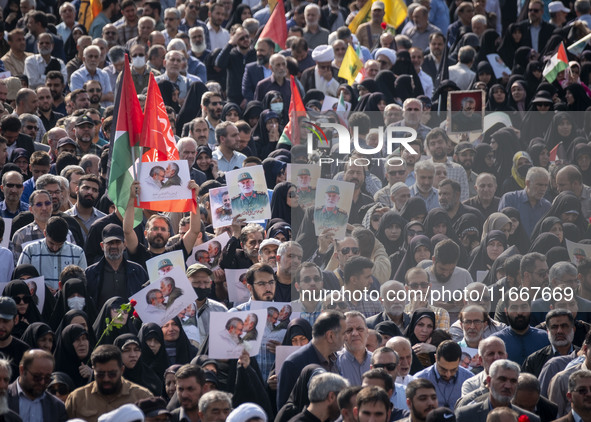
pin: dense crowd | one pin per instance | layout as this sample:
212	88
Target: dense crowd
490	205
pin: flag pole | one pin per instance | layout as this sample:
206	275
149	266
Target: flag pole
134	173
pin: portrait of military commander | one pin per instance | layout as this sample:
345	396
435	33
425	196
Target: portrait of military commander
248	199
468	119
330	215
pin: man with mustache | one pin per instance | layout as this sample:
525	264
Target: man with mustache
421	398
87	193
108	391
502	379
561	332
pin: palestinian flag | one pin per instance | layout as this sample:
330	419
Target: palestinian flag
557	63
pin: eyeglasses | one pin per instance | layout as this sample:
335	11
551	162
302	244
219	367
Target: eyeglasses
386	366
354	251
25	299
42	204
395	172
263	283
31	127
54	192
40	377
13	185
246	37
414	232
469	322
307	280
422	285
583	390
105	374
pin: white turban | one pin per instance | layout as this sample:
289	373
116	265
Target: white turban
323	54
388	52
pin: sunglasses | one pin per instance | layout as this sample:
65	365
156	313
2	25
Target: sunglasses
41	204
386	366
105	374
423	285
14	185
32	127
60	389
354	251
19	300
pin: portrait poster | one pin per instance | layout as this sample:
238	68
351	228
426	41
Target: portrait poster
164	181
281	354
332	206
331	103
37	288
7	228
165	297
304	177
470	358
210	252
577	251
230	333
465	111
248	193
498	65
220	207
160	265
237	291
277	318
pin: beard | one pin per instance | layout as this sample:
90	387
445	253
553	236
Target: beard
519	322
114	256
85	202
198	48
112	389
95	99
500	398
157	241
261	298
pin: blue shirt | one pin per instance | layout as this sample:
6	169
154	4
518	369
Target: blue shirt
30	410
350	368
432	200
23	206
529	215
448	392
519	347
28	188
82	75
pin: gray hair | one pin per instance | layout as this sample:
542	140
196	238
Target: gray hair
87	160
64	183
73	168
505	364
176	11
484	343
211	397
177	44
116	54
173	52
184	142
66	5
147	19
5	364
478	19
322	385
285	245
425	165
26	117
390	285
537	172
466	54
47	179
560	269
10	173
92	48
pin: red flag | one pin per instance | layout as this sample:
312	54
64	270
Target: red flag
554	153
291	132
157	131
276	26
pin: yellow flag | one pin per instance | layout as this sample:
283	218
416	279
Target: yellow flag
351	65
395	13
89	9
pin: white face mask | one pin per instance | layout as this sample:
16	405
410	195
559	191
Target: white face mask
138	62
277	107
76	303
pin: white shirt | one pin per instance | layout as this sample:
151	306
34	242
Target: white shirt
35	70
427	83
218	39
327	87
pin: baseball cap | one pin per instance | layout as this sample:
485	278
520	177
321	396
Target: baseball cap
268	242
7	307
112	232
557	6
84	120
152	407
65	141
378	5
441	414
197	267
463	146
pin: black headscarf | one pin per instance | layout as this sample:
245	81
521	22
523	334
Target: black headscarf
386	80
571	232
531	81
29	271
279	227
184	349
508	145
191	108
579	150
553	138
557	254
298	398
508	45
487	46
369	103
581	102
520	60
73	285
67	320
479	165
413	207
166	89
229	107
66	359
388	219
34	332
279	207
159	361
481	261
535	150
236	17
141	373
70	47
564	201
403	87
272	168
408	261
492	105
100	324
297	327
354	94
543	243
261	134
19	287
519	238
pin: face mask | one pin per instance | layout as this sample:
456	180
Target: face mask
277	107
138	62
202	294
522	171
76	303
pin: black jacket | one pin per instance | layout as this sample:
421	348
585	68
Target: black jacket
135	276
535	362
53	408
234	62
233	257
546	30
